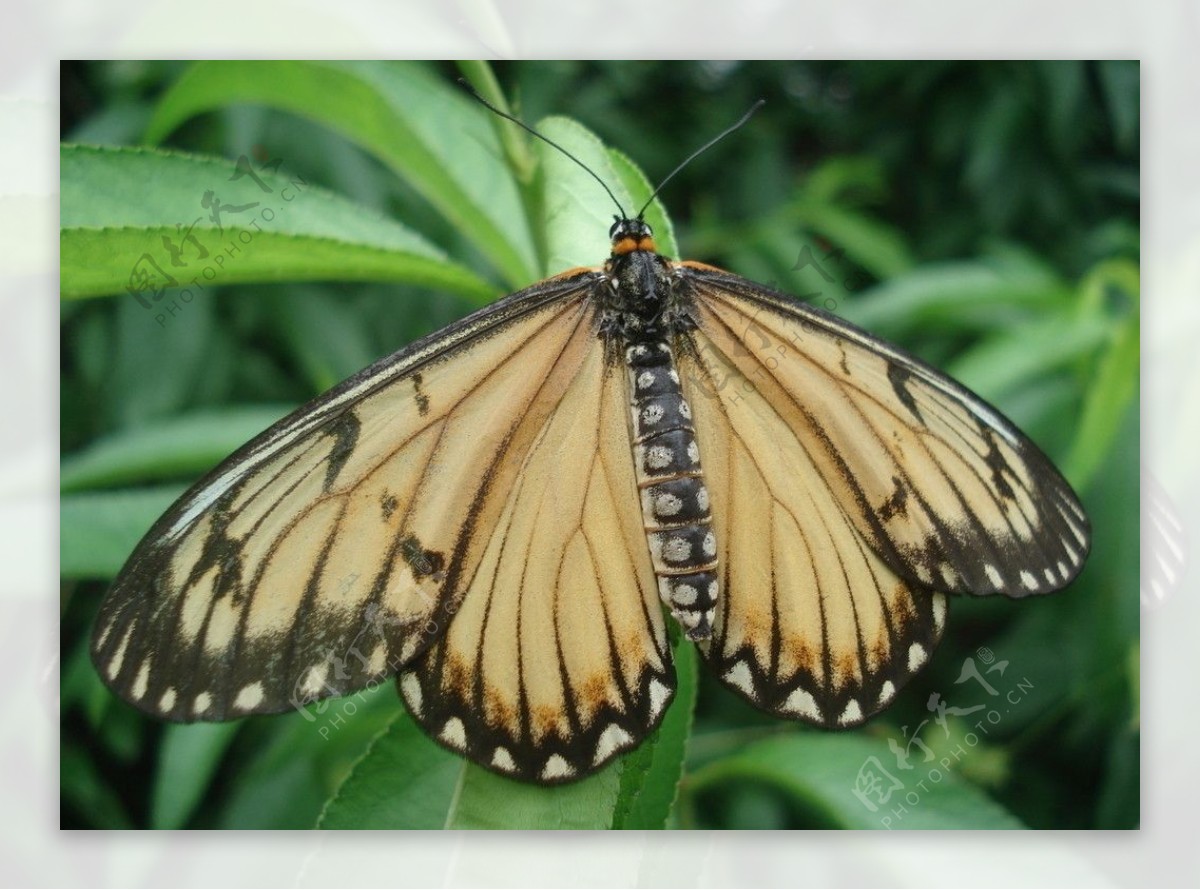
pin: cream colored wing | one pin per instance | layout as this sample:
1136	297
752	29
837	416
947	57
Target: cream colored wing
332	549
557	658
937	482
810	623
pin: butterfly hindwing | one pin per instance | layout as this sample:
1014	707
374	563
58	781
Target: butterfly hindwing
323	555
811	623
557	658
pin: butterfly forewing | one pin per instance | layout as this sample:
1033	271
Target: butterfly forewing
329	551
945	489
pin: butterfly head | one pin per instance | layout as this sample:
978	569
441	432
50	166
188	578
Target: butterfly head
629	235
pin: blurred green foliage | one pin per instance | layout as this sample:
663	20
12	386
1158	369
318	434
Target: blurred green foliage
984	215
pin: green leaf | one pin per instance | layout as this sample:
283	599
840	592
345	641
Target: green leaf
1028	351
1113	385
187	760
403	781
98	530
973	294
650	774
819	773
180	447
578	213
431	134
122	207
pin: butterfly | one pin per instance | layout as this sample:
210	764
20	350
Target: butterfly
507	516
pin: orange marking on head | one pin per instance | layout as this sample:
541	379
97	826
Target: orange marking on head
647	243
624	246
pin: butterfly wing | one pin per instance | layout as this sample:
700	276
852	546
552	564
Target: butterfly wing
944	488
869	479
330	550
557	658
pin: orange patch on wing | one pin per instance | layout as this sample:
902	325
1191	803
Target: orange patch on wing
577	270
705	267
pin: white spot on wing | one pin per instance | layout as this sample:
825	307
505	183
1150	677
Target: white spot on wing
202	703
378	660
948	574
1049	576
611	740
501	759
411	687
250	696
886	692
923	575
167	702
852	714
801	702
141	681
104	634
1062	571
994	575
659	694
454	733
916	656
314	680
739	675
1030	582
939	611
114	666
557	768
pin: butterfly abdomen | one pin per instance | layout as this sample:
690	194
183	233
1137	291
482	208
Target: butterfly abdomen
675	507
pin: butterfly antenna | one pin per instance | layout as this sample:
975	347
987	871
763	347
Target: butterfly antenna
703	148
528	129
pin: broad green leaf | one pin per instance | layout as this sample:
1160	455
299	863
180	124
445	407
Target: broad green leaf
171	449
650	773
429	132
136	220
578	212
821	772
1027	351
98	530
965	295
403	781
187	760
871	244
1113	386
